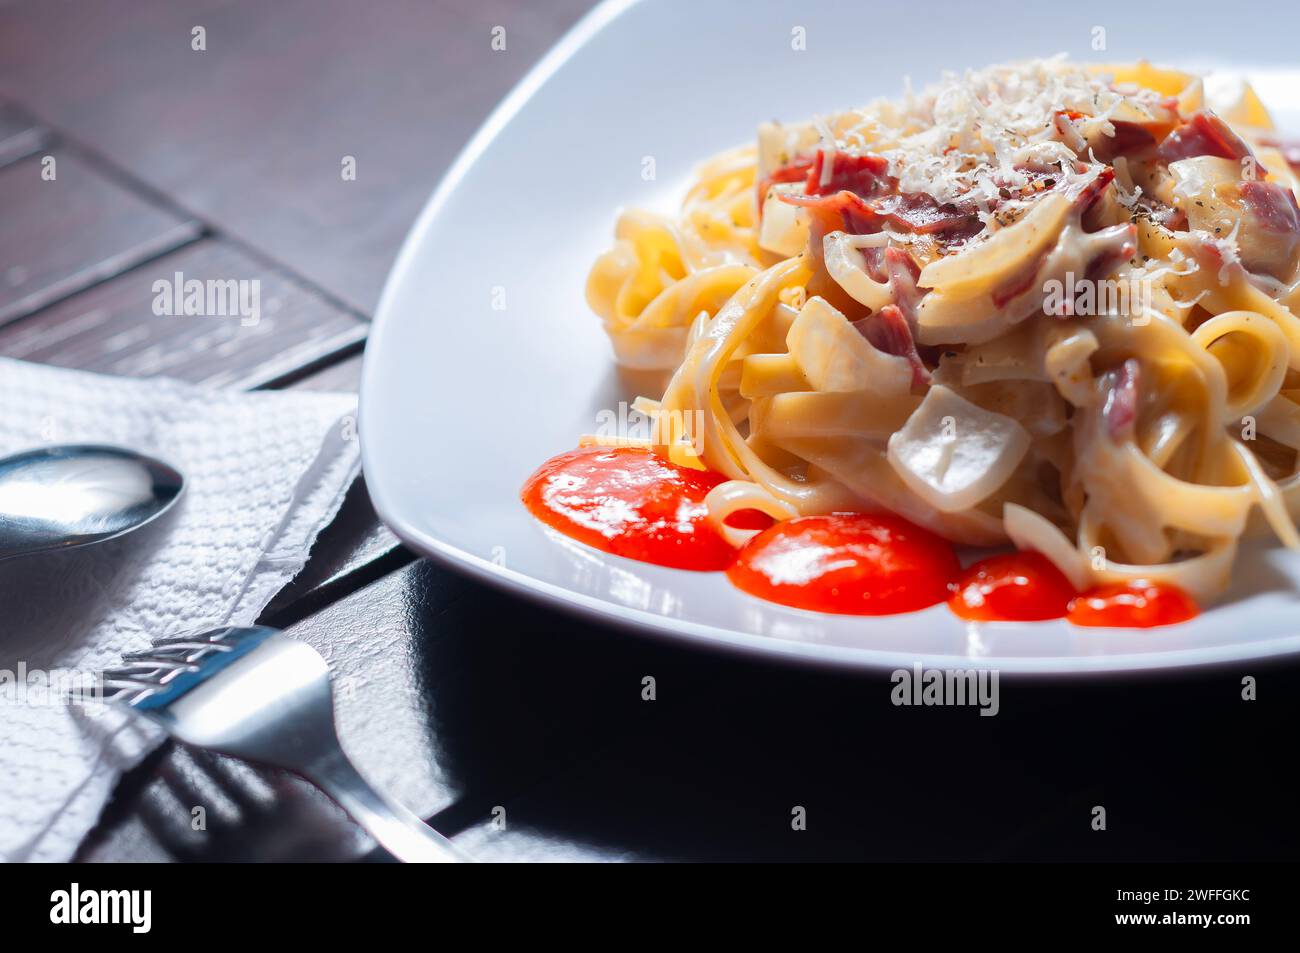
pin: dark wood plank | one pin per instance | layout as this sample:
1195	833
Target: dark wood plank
354	550
429	76
251	133
717	777
112	327
473	695
61	236
20	134
461	699
342	376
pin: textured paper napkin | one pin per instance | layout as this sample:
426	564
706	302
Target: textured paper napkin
265	472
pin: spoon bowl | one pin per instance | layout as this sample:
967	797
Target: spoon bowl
68	496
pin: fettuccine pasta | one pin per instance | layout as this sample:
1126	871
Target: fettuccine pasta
1037	304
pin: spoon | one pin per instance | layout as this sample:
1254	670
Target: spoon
63	497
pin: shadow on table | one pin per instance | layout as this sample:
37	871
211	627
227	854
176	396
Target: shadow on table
542	715
191	805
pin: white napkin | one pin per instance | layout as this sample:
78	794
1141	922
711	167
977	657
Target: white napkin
265	473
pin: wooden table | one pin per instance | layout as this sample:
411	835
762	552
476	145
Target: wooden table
519	732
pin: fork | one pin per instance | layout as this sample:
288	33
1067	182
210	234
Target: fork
258	695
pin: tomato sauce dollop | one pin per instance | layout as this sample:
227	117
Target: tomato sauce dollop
847	563
630	502
1138	605
1012	587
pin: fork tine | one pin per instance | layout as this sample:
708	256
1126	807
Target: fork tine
156	668
170	644
212	646
145	674
173	653
113	687
139	669
121	671
141	678
122	681
154	652
146	660
198	637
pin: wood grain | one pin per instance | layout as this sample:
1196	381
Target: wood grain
716	774
20	134
455	697
112	328
464	699
251	133
61	236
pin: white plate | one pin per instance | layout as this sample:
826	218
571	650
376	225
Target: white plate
461	400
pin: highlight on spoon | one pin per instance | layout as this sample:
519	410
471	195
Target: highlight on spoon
63	496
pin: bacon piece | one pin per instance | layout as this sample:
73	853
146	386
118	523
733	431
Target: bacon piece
1121	406
888	330
841	212
826	216
1274	206
794	172
1205	134
903	274
864	176
910	211
1092	191
1269	232
1019	282
1122	246
875	261
1130	139
863	192
922	214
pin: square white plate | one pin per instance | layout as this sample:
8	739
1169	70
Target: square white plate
484	360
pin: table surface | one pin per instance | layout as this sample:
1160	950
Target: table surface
520	732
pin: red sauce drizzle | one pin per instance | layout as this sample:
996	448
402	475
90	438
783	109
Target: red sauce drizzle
1012	587
632	503
847	563
1140	605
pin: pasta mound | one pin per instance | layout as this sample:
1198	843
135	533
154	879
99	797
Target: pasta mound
1038	303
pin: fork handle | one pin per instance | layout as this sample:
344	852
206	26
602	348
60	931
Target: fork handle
396	829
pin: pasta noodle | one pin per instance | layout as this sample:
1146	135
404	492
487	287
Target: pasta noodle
1040	304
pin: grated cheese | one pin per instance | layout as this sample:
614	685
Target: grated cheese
971	137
